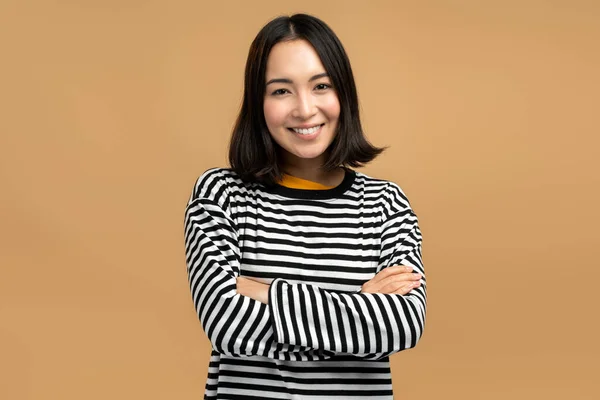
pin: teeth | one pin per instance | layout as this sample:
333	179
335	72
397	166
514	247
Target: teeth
307	131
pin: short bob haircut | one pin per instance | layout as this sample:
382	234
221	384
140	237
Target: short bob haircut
253	154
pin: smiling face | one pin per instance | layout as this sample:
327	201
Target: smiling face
299	94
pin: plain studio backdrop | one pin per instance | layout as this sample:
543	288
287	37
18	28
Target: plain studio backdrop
109	111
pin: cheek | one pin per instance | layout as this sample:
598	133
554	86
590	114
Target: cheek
274	113
332	107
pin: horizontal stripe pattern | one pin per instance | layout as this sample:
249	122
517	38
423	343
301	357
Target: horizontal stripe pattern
319	337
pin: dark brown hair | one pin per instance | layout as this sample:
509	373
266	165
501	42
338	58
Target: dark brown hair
253	154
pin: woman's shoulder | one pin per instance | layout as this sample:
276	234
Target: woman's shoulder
221	174
387	191
216	183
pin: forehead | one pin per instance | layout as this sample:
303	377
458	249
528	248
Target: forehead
293	59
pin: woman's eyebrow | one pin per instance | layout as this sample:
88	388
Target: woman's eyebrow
286	80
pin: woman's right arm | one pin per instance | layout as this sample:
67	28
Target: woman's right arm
236	325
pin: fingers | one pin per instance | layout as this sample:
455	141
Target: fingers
396	276
389	271
393	287
398	284
403	291
393	283
407	288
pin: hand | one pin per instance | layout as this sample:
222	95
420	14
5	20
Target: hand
398	279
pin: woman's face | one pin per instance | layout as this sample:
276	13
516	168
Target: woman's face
299	94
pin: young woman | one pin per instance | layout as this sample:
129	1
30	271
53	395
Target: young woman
306	275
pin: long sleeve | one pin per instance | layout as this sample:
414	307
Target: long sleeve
363	324
236	325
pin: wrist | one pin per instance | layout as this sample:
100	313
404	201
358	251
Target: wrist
255	290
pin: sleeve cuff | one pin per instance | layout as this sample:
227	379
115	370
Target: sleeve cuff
276	305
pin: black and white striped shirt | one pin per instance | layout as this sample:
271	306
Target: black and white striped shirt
319	337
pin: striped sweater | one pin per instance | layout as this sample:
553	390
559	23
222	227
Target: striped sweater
319	337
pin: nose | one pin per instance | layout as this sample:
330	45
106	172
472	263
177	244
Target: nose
305	106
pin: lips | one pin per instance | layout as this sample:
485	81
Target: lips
312	135
308	130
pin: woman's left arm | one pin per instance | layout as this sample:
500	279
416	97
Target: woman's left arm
369	325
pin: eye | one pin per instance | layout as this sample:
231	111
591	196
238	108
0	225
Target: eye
322	86
278	92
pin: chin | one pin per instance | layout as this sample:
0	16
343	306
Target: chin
308	155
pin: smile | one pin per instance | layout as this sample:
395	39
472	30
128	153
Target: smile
308	131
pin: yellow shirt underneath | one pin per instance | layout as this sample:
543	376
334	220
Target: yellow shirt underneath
299	183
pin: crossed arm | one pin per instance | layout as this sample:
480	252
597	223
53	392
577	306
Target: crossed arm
398	279
300	321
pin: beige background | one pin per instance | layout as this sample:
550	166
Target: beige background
109	110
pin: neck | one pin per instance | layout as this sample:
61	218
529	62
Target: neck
316	174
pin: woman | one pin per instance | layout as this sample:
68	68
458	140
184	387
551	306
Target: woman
306	275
